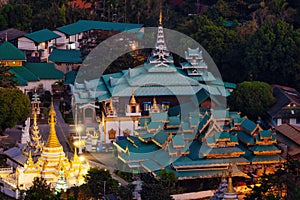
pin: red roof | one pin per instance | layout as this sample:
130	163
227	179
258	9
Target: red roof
79	4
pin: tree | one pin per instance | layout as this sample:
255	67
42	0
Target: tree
154	191
100	182
252	99
39	190
14	107
168	180
126	192
273	54
7	79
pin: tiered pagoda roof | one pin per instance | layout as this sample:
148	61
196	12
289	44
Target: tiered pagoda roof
201	150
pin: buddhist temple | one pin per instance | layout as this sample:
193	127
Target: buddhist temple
53	165
201	147
125	97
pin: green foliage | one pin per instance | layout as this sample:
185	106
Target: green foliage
168	180
100	182
252	99
14	107
273	54
7	79
39	190
126	192
17	15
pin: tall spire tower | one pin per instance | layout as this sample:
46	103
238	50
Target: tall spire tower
161	58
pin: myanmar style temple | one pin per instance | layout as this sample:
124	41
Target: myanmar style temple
159	116
47	161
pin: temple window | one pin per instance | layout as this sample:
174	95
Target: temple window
147	106
165	105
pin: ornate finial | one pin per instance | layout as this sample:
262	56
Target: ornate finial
160	16
6	37
111	104
52	141
230	187
132	101
29	160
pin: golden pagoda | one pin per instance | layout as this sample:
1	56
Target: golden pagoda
52	160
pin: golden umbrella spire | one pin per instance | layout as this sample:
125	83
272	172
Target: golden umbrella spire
52	141
132	100
230	187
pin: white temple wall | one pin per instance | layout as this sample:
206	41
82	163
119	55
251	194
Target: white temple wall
126	125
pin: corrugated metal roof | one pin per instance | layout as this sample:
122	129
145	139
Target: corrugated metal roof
66	56
8	51
44	70
43	35
290	131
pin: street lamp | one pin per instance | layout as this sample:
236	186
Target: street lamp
79	143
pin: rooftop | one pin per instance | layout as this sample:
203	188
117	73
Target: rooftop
10	52
43	35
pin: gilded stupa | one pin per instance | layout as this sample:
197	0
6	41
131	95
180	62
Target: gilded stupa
51	162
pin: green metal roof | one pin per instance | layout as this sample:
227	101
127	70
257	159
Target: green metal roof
70	77
245	137
86	25
8	51
20	81
174	121
44	70
248	125
159	117
24	73
265	134
155	125
160	137
178	140
66	56
43	35
262	148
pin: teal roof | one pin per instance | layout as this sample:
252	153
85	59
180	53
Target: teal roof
66	56
266	159
245	137
174	121
160	137
144	121
151	166
43	35
265	134
44	70
70	77
248	125
86	25
155	125
159	117
20	80
229	85
8	51
24	73
178	140
263	148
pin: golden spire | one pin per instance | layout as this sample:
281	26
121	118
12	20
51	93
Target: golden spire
29	160
132	100
229	186
154	103
160	15
52	141
111	104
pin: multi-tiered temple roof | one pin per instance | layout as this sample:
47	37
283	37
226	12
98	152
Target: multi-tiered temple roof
203	146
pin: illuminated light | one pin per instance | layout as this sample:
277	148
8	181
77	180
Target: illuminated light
43	44
14	62
133	47
81	158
